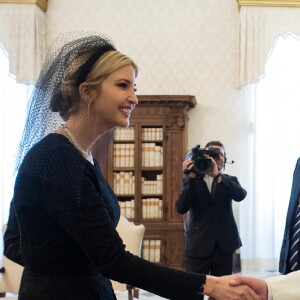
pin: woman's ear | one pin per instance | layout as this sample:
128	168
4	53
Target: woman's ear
86	92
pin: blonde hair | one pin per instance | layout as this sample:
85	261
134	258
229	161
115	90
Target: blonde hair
108	63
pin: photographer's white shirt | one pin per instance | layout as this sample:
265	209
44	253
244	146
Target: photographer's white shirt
209	180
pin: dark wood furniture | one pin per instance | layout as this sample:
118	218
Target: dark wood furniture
170	115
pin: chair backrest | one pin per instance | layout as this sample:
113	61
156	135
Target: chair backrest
132	236
11	278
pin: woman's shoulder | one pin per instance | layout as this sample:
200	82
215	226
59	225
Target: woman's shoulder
53	151
52	144
52	141
56	161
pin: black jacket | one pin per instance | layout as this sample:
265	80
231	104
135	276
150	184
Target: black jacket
211	217
63	217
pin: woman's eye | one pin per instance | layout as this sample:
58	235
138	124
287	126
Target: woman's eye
125	85
122	85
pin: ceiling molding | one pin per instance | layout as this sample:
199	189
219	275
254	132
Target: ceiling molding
286	3
43	4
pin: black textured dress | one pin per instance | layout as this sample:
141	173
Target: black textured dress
62	229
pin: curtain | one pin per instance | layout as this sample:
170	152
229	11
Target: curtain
259	29
270	130
22	53
22	33
272	147
12	120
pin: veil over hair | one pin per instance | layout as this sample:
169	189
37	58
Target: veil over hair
68	62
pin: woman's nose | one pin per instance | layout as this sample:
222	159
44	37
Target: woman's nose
133	98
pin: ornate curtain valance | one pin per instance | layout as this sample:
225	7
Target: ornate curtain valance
259	30
22	35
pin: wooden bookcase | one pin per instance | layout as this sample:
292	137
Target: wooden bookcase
144	167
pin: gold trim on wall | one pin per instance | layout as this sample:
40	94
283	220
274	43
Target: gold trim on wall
43	4
288	3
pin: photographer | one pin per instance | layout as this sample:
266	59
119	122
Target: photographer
211	233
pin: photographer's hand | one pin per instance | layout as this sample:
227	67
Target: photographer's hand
187	166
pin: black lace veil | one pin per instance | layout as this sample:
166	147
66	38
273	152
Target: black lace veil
68	62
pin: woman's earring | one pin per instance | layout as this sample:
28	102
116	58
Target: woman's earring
88	108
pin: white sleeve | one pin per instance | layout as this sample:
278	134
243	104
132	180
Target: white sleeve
285	287
270	296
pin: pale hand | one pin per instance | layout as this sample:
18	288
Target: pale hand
258	285
219	288
188	165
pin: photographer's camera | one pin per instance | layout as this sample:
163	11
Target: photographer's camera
202	164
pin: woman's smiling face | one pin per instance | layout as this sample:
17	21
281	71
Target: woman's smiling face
116	98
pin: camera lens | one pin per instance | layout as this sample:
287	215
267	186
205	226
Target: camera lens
202	165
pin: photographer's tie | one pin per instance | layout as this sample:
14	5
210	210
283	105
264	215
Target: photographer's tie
295	242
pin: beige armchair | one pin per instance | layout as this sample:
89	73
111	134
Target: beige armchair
132	236
10	276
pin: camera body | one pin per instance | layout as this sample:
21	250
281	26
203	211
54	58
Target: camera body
201	163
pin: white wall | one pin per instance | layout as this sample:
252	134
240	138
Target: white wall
181	47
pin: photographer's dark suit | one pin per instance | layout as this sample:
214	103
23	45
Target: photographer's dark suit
294	201
211	233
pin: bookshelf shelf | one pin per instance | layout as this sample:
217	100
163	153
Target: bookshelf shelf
144	169
151	168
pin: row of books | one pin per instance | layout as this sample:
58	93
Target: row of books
127	208
124	134
152	208
148	134
123	183
123	155
152	155
151	250
152	134
152	187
